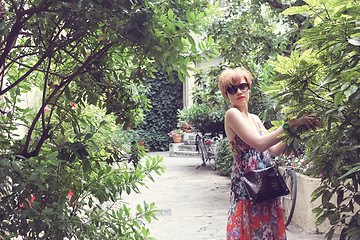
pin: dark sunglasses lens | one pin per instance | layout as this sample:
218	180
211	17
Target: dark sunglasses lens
243	86
232	90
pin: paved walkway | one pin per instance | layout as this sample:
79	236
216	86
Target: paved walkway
194	202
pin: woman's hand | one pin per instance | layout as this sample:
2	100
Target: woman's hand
308	120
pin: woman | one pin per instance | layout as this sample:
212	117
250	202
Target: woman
251	144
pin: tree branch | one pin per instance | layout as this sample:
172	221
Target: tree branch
46	54
61	86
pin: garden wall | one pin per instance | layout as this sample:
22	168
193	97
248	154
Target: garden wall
303	214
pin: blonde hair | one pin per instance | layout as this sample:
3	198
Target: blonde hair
232	76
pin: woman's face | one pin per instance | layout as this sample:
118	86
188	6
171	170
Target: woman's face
238	93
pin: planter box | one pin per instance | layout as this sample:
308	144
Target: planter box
303	214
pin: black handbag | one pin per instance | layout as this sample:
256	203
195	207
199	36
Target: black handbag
264	184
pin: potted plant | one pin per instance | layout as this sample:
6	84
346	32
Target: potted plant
185	126
183	121
176	135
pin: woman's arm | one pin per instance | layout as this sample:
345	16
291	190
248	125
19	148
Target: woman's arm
241	127
276	149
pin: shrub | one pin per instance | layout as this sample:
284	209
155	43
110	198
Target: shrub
206	119
223	157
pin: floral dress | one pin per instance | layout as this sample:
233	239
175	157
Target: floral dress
249	221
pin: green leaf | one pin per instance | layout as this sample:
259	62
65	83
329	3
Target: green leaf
180	76
345	86
312	3
147	217
139	209
296	10
189	17
180	24
339	96
171	26
192	42
208	58
349	91
211	40
317	211
354	41
170	13
329	235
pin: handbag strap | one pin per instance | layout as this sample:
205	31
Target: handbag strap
256	125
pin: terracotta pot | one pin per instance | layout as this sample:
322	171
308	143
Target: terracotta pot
187	128
177	138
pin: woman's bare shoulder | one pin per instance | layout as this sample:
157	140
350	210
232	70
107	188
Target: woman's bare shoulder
232	111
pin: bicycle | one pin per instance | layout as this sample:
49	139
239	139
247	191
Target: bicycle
289	201
204	146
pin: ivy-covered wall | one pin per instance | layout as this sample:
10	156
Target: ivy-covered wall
166	98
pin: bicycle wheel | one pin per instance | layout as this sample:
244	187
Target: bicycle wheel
203	151
290	199
211	158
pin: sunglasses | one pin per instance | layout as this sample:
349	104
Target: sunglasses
244	87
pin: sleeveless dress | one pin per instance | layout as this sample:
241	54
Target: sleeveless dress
249	221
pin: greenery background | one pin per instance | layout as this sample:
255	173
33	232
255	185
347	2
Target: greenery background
166	99
98	53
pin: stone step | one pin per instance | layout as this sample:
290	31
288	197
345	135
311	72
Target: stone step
187	147
184	154
183	150
189	142
189	138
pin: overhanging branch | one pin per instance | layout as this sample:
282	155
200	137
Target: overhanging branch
62	86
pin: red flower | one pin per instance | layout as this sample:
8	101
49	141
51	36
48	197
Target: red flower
46	108
70	194
73	105
31	200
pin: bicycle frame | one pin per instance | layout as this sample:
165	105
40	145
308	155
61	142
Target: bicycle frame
203	145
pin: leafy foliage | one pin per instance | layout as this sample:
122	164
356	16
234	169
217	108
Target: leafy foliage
207	112
323	78
248	34
245	37
206	119
69	185
71	54
223	158
166	100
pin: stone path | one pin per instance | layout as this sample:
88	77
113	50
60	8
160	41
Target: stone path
194	202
